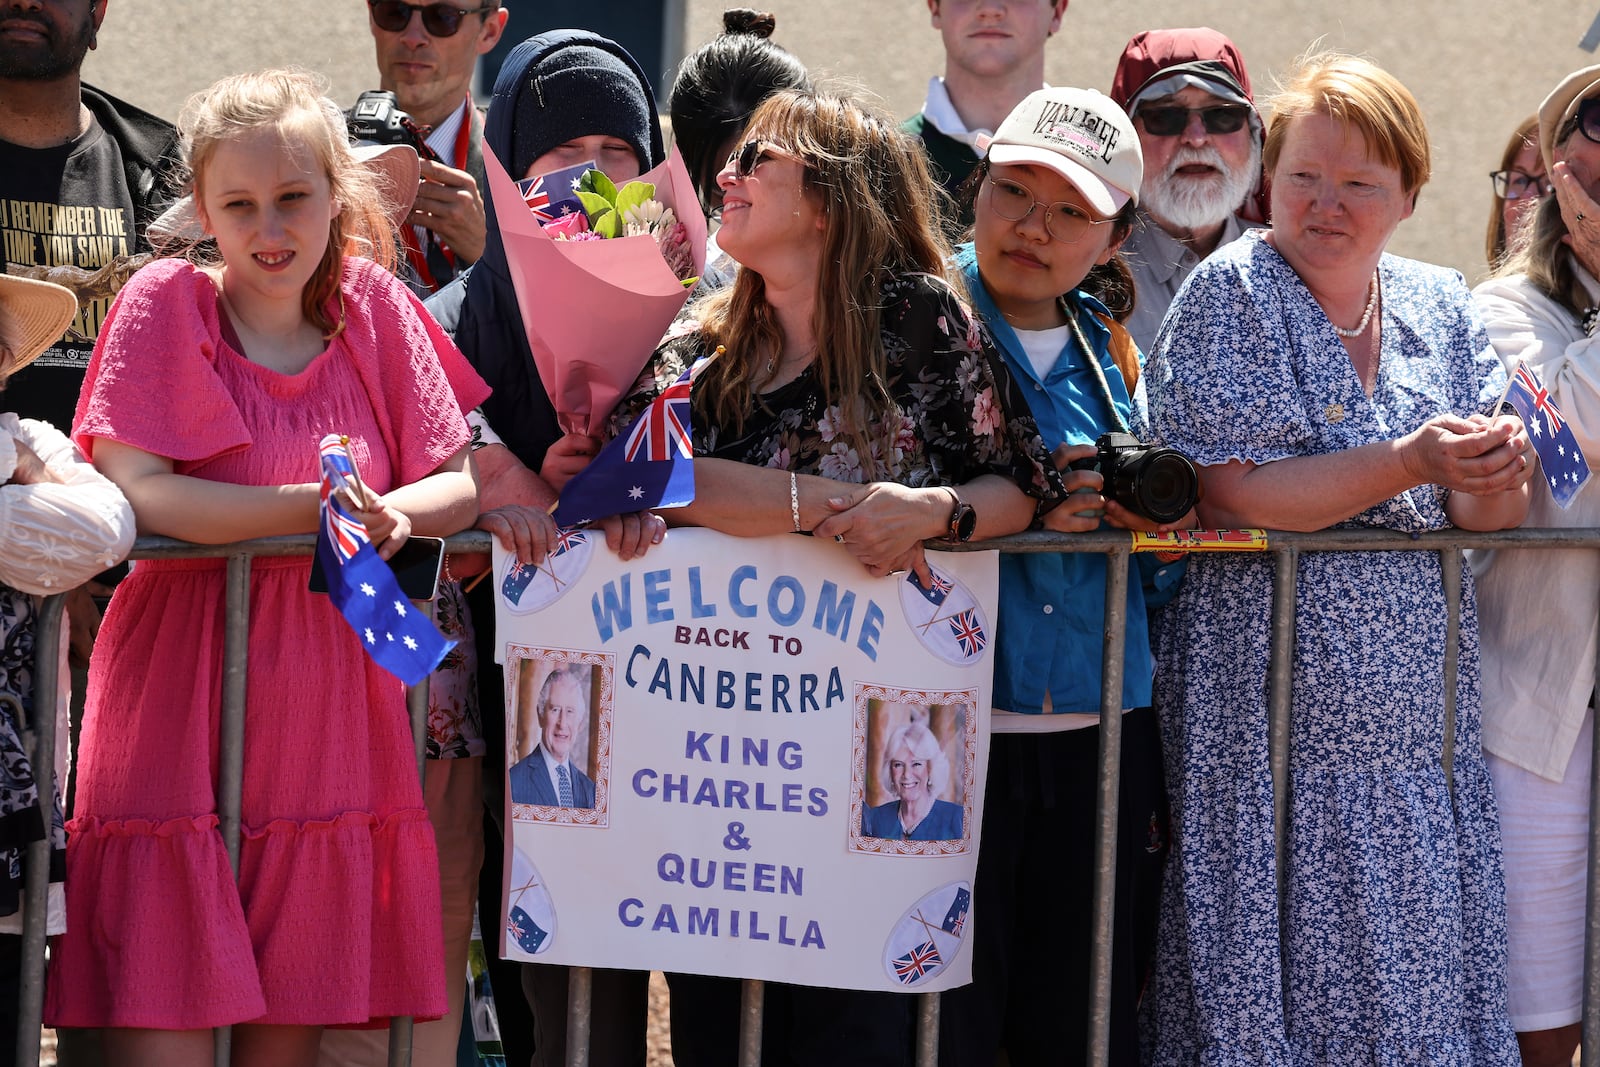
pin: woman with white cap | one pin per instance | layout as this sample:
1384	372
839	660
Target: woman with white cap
64	522
1538	679
1053	200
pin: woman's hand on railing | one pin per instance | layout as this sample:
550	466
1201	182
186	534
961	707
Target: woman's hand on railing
526	532
630	536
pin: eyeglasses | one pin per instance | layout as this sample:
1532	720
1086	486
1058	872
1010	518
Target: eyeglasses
1014	202
1518	185
747	157
440	20
1172	121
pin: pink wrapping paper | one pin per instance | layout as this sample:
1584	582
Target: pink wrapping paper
594	310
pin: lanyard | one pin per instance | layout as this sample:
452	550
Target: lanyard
1094	365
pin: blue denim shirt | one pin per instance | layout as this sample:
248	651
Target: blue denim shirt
1052	605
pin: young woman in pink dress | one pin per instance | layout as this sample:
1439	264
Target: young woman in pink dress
210	388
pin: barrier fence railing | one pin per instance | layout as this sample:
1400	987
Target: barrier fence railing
1284	548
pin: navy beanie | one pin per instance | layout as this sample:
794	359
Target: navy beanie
580	91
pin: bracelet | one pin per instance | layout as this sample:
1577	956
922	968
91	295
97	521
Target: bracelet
446	565
794	501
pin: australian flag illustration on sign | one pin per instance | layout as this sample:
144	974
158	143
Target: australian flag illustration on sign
528	934
649	465
936	592
955	920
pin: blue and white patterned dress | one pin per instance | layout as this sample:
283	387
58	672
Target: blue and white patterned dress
1396	940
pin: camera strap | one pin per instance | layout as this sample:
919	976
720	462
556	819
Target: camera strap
1094	364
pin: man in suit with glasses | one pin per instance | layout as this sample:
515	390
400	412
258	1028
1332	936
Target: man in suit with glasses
426	55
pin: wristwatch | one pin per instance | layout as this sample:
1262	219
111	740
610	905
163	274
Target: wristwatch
963	520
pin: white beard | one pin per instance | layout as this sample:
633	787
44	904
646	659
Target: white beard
1197	203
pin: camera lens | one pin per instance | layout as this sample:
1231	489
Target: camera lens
1158	483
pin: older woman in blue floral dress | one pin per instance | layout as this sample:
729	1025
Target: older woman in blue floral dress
1321	383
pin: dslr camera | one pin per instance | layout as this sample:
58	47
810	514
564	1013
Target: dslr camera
1158	483
377	119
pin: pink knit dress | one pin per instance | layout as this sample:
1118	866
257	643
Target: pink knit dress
335	916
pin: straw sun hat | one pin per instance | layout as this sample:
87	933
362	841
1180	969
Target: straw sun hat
35	316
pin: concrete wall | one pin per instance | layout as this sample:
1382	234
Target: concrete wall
1477	66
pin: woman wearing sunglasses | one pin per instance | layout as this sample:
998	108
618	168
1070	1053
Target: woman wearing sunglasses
1518	185
1538	679
1321	383
852	396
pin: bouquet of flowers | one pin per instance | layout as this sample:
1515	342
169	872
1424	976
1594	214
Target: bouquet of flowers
598	281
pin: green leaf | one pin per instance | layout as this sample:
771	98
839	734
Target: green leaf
593	181
594	205
633	194
607	225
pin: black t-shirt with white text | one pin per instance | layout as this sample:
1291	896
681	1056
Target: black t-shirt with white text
66	216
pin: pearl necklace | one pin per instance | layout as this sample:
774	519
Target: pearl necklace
1366	316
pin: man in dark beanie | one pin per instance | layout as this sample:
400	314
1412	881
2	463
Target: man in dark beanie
562	98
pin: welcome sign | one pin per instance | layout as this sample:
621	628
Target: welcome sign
745	757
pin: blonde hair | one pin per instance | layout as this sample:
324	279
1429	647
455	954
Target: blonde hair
1496	244
1540	252
294	103
1356	91
878	221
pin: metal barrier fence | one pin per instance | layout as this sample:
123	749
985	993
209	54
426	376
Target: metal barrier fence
1285	548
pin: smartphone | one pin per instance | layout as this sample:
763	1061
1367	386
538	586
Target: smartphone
416	567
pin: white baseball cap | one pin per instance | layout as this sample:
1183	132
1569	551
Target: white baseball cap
1081	135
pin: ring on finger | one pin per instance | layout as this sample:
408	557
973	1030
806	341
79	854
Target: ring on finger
1578	217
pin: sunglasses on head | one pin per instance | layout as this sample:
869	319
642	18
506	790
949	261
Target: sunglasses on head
747	157
1586	120
440	20
1172	121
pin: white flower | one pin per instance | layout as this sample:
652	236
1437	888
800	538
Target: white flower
829	423
647	218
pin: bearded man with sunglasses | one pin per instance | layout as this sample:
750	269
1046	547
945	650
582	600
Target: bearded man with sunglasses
1188	94
426	55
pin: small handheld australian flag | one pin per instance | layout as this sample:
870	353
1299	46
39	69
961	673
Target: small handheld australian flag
648	465
1564	467
398	636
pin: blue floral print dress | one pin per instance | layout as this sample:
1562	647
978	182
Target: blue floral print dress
1395	948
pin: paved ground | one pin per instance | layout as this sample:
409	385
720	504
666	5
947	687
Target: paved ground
1478	66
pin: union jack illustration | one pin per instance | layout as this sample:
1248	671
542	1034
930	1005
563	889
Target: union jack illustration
662	431
566	540
969	632
918	963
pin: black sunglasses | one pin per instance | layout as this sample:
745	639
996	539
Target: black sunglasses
747	157
440	20
1587	120
1172	121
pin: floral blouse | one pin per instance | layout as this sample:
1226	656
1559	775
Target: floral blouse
961	413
